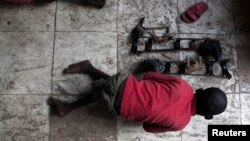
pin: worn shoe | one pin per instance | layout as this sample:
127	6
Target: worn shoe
211	47
193	66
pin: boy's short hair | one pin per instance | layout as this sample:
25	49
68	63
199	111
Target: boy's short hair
214	102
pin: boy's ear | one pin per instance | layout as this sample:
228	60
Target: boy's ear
209	117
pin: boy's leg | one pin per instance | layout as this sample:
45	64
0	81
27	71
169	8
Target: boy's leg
85	67
61	108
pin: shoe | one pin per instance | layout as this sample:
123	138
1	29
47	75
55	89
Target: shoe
193	13
211	47
193	66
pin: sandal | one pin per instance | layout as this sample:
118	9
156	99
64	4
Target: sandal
193	13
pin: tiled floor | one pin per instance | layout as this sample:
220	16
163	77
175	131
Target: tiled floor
37	42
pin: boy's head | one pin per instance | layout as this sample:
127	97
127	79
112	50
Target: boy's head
209	102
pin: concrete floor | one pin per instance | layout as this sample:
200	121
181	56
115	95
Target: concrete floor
37	42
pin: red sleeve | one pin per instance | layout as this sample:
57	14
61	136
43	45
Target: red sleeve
161	78
155	128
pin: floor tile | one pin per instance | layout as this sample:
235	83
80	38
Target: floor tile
129	62
73	47
197	128
129	13
24	117
27	17
228	45
218	19
85	124
243	50
76	17
132	131
157	13
26	59
241	16
245	106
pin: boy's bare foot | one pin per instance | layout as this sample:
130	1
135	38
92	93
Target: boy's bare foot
81	67
58	107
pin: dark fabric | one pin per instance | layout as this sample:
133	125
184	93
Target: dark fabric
105	91
118	98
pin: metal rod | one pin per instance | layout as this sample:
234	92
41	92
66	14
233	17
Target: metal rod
154	28
197	39
165	50
197	75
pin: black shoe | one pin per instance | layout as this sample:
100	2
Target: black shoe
211	47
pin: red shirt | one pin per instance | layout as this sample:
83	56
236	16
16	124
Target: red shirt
163	103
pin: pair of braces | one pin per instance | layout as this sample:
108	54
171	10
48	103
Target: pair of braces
186	67
208	47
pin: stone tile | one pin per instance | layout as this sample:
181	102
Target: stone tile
129	13
157	13
76	17
197	128
25	59
243	51
24	117
245	106
218	19
27	17
72	47
132	131
84	124
228	45
128	62
241	16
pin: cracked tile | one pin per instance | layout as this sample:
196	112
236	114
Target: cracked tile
197	128
157	13
73	47
245	106
243	51
218	19
133	131
84	124
24	117
25	59
128	62
27	17
76	17
241	16
228	45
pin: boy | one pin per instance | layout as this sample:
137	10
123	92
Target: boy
163	103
